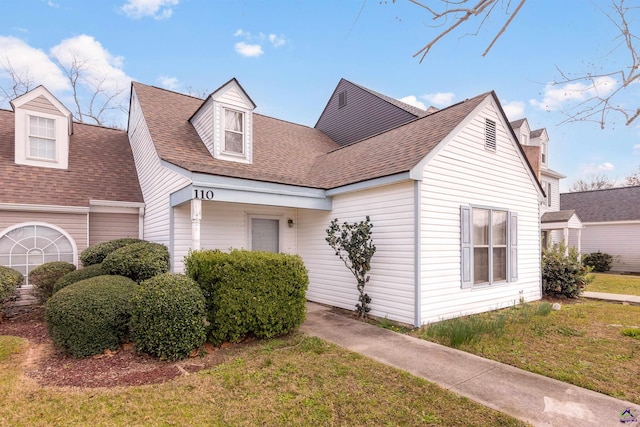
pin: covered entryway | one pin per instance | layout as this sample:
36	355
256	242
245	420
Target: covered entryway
561	226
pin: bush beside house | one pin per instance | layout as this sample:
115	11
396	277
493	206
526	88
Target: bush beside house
563	274
10	280
95	254
259	293
599	261
44	277
92	315
77	275
168	316
138	261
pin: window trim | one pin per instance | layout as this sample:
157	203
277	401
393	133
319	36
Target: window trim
544	156
342	99
242	133
467	247
29	135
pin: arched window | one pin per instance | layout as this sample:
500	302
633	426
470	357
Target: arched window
28	245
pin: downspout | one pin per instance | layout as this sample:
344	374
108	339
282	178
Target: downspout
417	316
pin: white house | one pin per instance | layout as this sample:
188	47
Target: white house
65	185
557	224
454	202
611	223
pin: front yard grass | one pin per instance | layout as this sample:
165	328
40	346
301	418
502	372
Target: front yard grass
591	344
615	284
296	381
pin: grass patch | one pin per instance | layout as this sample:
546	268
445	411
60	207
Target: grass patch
583	344
615	284
300	381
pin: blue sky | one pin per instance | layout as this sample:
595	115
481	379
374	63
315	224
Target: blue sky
289	56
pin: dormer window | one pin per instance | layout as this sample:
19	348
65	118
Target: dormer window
543	153
233	132
43	127
42	138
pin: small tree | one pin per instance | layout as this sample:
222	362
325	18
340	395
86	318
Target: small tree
354	245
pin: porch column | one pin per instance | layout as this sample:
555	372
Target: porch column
565	232
196	216
579	241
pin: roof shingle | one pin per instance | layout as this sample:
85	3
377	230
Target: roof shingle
612	204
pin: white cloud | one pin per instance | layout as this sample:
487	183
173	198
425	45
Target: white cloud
52	4
248	50
412	100
167	82
30	63
597	169
514	109
440	99
556	95
276	41
636	149
252	46
157	9
98	67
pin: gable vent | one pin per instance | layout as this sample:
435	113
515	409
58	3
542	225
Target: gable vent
342	99
490	135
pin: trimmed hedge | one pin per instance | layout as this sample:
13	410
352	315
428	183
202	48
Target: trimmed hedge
138	261
259	293
168	316
44	277
563	275
10	280
599	261
90	316
77	275
97	253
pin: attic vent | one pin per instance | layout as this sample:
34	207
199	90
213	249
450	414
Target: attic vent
342	99
490	135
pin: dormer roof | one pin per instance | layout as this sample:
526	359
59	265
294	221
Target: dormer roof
40	99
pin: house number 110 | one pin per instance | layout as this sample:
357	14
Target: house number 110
204	194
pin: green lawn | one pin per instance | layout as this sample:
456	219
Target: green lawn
591	344
298	381
615	284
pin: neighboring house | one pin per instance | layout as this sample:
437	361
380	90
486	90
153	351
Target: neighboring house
454	202
612	223
557	225
65	185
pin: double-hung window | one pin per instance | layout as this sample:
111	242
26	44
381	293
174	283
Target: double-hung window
489	246
233	132
42	138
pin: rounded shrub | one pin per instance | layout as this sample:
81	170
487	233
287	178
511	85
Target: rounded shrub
44	277
90	316
97	253
77	275
10	280
138	261
599	261
168	316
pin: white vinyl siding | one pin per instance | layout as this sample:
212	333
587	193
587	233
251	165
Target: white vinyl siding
156	181
551	187
109	226
463	172
392	285
226	226
619	240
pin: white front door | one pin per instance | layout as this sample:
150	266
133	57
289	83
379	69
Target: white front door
265	235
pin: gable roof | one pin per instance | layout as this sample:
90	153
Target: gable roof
612	204
557	216
289	153
100	168
418	112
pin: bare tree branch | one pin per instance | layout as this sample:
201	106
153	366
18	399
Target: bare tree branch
21	82
594	182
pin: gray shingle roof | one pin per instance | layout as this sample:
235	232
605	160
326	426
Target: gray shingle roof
613	204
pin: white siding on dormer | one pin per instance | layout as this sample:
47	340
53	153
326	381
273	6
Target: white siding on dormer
464	173
43	105
555	194
203	123
218	132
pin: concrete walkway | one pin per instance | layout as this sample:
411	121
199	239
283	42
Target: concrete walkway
631	299
533	398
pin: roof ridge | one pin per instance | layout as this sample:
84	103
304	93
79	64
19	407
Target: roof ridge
603	189
169	90
411	109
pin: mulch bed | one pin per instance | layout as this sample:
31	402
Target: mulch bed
124	367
